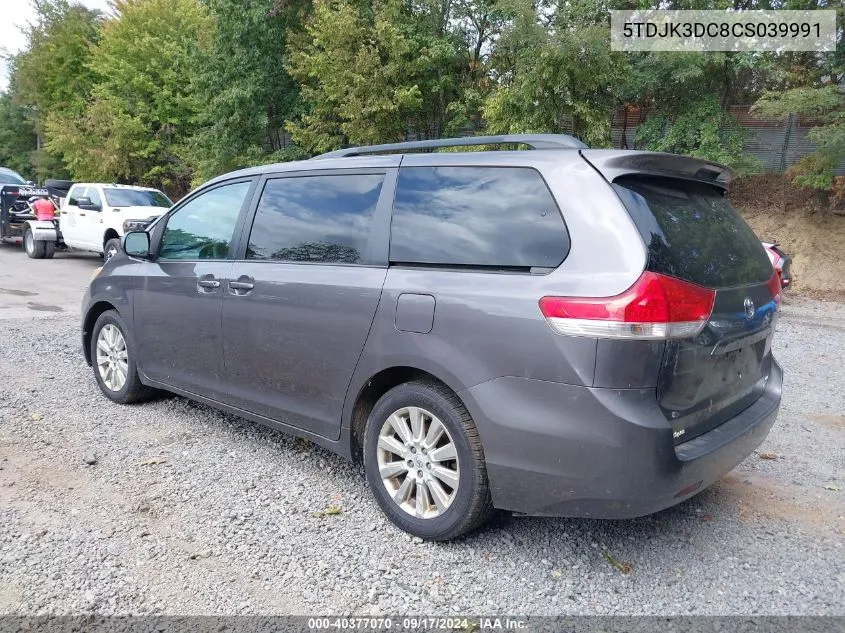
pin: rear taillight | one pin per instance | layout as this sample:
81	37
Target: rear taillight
775	287
655	307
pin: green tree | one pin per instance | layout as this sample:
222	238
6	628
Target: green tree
562	80
357	75
373	73
17	137
247	93
442	35
477	26
144	107
51	77
52	74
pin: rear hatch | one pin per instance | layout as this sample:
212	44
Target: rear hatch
692	233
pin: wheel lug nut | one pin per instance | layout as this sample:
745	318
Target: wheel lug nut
428	465
413	449
410	462
419	473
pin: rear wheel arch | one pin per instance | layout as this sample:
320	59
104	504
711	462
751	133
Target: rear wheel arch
373	389
91	317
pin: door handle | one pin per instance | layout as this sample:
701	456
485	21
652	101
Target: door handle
208	283
242	286
82	215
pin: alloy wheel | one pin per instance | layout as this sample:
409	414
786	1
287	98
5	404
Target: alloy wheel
418	462
112	357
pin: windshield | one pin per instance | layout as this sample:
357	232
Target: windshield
136	198
9	177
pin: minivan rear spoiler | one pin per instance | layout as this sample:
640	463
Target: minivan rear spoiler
613	164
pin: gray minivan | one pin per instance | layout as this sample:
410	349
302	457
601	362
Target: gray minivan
561	331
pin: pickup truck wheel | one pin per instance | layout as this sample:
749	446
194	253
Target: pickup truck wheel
111	248
35	249
49	250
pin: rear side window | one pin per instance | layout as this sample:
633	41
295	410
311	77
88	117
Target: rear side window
323	219
503	217
693	233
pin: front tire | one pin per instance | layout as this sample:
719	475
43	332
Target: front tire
35	249
111	248
113	360
424	462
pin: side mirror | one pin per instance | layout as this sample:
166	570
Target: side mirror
87	205
137	244
31	183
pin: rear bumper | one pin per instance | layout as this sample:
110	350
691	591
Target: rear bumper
561	450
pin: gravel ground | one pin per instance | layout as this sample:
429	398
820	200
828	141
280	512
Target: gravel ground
190	511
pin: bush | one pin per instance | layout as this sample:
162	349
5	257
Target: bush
703	130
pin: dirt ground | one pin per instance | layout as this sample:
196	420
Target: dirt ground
779	212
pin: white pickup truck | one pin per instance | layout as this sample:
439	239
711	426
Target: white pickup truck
93	217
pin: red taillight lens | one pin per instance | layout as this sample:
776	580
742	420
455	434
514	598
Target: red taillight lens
655	307
775	287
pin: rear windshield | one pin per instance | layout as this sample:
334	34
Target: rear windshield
136	198
693	233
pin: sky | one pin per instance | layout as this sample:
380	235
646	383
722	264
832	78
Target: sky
16	14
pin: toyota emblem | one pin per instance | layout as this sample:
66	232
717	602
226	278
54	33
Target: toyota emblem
748	305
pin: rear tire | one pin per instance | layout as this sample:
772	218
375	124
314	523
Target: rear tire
35	249
113	361
49	250
436	489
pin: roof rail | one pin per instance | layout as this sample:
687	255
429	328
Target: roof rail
535	141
